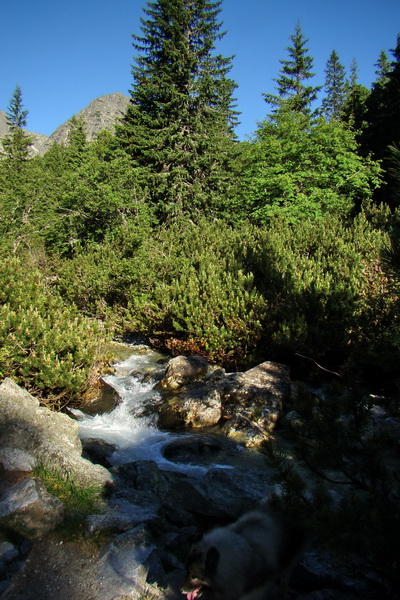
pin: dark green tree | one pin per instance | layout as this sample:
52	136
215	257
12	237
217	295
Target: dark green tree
178	128
382	68
16	144
335	87
354	107
383	120
293	92
383	107
93	192
77	145
394	172
17	193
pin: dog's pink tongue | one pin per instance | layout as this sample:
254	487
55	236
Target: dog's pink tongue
193	595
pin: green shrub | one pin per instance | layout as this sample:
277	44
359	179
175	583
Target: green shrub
46	346
321	280
320	288
197	288
300	168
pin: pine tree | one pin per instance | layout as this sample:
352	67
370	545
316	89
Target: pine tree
382	68
179	125
383	108
76	142
353	79
16	144
354	107
383	121
293	93
335	87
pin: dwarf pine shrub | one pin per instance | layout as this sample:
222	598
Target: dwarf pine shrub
238	294
202	293
46	346
320	280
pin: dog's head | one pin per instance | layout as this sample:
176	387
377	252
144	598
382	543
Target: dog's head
201	567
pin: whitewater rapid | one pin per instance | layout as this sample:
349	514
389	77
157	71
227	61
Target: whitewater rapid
131	427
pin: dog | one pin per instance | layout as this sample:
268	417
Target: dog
244	560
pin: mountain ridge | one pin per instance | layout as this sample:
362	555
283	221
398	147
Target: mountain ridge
100	114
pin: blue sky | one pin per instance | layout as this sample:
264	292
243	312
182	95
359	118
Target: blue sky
65	54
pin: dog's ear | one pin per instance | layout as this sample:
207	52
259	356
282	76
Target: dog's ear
212	560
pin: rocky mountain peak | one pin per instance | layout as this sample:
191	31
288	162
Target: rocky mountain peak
102	113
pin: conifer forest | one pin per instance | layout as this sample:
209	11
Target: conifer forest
284	247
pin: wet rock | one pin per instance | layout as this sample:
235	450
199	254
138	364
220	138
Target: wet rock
240	427
268	377
181	495
246	405
105	401
98	452
199	406
255	400
201	449
252	486
218	493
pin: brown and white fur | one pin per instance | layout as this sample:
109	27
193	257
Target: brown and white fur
243	560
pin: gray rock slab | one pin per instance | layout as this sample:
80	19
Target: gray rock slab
50	438
28	504
121	515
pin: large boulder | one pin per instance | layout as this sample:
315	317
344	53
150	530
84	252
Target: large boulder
182	370
245	405
254	401
120	516
267	379
198	406
125	565
33	434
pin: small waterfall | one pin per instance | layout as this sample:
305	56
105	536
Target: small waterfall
131	427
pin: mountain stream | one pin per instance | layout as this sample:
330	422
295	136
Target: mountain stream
131	427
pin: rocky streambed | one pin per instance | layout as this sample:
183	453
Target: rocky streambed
175	455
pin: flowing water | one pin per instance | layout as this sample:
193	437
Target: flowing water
131	427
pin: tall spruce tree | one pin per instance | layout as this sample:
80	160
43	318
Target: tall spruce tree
382	68
293	93
383	117
383	107
179	125
335	87
16	144
354	107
